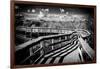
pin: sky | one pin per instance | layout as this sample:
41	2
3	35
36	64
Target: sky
54	10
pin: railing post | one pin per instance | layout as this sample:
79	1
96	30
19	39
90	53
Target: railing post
65	37
25	32
31	34
87	48
30	50
59	38
41	44
52	40
80	52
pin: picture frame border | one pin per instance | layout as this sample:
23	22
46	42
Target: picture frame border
12	32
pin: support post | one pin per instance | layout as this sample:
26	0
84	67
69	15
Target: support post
52	43
65	37
80	52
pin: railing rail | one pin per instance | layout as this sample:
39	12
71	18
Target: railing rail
43	29
31	55
35	41
39	42
87	48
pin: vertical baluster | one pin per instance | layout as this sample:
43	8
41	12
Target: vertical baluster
25	31
80	52
30	50
31	33
41	44
60	40
52	43
65	37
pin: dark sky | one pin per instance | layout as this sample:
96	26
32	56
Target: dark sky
55	10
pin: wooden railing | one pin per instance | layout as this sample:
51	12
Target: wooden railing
87	49
41	46
43	29
29	52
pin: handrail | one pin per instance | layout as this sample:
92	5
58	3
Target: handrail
43	29
18	28
34	41
87	48
38	57
31	55
27	58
